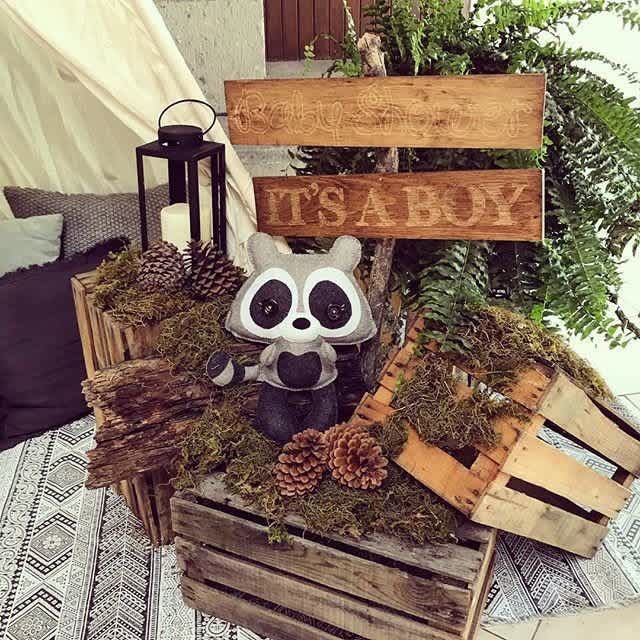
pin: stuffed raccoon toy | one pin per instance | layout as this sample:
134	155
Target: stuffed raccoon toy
300	304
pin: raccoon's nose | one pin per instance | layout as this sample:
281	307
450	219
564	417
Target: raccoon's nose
301	323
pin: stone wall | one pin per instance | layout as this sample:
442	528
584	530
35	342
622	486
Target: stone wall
219	39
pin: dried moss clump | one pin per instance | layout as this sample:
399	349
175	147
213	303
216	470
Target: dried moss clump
402	508
115	291
189	338
501	343
224	440
221	438
428	401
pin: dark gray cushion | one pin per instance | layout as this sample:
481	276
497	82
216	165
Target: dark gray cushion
89	218
41	363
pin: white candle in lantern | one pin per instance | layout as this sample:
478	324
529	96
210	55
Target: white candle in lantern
175	226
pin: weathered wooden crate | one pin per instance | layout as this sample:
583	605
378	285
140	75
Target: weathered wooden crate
325	588
106	342
525	485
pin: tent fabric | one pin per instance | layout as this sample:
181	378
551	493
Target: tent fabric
83	85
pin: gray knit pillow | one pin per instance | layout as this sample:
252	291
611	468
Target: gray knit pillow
89	218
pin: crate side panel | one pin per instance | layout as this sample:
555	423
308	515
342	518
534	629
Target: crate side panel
323	604
431	599
541	464
453	561
481	587
568	406
81	304
518	513
243	612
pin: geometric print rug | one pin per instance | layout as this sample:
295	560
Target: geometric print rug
76	565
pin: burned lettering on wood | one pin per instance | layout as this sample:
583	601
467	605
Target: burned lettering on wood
469	205
498	111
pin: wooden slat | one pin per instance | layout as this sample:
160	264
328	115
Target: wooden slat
322	28
510	429
429	599
496	111
162	492
290	29
453	482
245	613
518	513
310	599
306	25
569	407
336	18
469	205
541	464
84	325
453	561
481	588
273	29
355	6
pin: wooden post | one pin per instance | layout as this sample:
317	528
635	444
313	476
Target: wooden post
370	47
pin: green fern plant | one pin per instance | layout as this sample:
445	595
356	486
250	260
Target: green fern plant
591	158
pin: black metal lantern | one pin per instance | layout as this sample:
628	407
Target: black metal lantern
183	146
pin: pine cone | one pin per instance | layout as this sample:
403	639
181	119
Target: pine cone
302	463
335	433
356	459
161	269
211	273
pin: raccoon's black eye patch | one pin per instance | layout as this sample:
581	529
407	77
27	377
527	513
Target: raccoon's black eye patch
270	304
330	305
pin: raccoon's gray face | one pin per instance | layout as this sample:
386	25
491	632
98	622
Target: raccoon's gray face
300	298
327	304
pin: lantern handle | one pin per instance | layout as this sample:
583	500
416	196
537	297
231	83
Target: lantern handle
206	104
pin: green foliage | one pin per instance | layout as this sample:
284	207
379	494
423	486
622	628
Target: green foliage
590	154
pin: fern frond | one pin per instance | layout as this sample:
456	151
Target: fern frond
449	287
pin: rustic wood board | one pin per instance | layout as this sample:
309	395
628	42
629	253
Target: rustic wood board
518	513
263	620
428	598
306	597
568	406
454	561
481	111
469	205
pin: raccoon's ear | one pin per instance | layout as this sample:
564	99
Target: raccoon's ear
262	251
346	253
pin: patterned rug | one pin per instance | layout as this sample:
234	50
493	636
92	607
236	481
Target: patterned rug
75	564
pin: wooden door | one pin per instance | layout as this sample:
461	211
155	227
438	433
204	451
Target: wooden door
291	24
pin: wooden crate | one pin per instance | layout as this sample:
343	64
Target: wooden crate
525	485
106	342
319	588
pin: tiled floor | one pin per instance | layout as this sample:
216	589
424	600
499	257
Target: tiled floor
617	624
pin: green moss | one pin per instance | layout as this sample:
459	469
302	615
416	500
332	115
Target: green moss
115	291
428	401
502	343
401	507
188	338
225	440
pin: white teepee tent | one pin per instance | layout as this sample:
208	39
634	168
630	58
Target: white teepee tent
81	84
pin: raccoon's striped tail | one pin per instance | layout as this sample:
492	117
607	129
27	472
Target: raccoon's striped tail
224	370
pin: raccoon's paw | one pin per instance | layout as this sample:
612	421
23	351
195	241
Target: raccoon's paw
217	365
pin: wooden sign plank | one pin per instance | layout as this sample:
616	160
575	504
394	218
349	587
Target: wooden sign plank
482	111
450	205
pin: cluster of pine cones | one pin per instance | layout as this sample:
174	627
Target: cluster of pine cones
349	451
203	270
